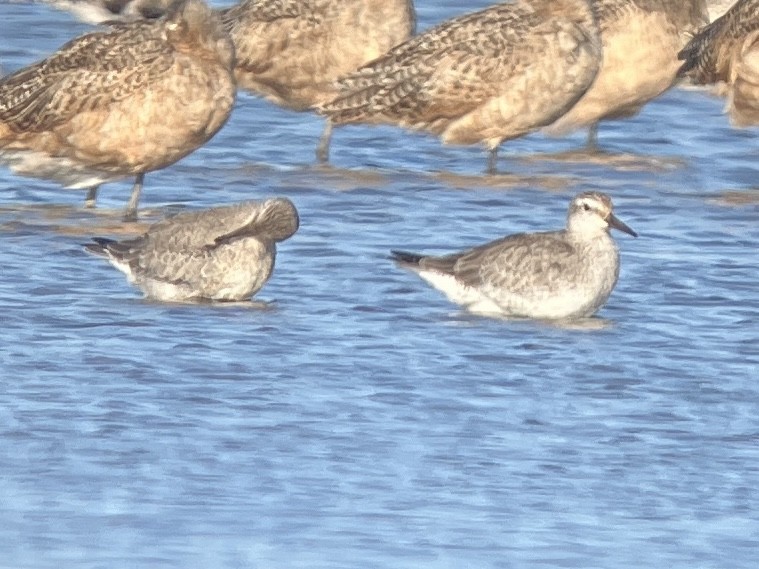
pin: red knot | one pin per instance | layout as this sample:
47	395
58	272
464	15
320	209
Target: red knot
552	275
223	253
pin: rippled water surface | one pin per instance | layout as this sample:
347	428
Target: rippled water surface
361	421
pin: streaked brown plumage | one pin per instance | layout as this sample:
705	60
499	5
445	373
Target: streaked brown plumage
641	39
488	76
743	96
121	102
223	253
292	51
727	51
709	55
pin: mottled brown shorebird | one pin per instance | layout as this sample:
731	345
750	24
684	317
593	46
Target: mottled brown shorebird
121	102
727	51
291	52
485	77
552	275
641	39
223	253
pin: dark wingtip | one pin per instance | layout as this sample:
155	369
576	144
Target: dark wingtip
405	258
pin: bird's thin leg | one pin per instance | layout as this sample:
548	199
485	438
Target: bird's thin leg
493	161
92	194
131	210
322	150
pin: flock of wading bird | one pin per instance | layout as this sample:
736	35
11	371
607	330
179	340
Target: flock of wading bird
153	87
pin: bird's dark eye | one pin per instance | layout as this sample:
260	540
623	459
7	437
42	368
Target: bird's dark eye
586	207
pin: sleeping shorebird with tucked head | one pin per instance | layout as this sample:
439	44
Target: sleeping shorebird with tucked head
99	11
641	39
221	254
554	275
484	77
292	51
727	52
119	103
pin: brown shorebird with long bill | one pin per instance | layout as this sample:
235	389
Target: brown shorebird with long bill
291	52
641	39
484	77
119	103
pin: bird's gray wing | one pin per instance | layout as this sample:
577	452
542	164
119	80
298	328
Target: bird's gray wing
517	263
274	219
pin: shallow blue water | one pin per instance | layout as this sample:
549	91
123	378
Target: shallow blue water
363	421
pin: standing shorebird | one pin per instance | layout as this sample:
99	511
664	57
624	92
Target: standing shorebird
292	52
727	51
484	77
553	275
121	102
224	253
641	39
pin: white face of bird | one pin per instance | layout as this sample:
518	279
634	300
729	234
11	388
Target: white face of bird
592	212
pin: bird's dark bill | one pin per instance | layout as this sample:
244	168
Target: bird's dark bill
614	222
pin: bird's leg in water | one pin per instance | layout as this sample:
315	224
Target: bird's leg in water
131	210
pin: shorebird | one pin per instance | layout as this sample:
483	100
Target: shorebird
485	77
99	11
292	52
119	103
641	39
554	275
727	51
289	52
222	254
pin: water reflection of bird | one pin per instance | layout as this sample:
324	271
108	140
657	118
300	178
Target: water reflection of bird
727	52
485	77
121	102
223	253
552	275
641	39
